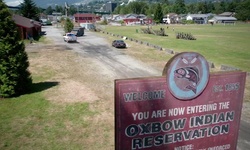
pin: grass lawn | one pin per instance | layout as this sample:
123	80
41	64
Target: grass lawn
228	45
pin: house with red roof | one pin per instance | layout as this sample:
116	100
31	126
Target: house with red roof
27	27
86	18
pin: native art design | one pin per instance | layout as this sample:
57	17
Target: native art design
187	75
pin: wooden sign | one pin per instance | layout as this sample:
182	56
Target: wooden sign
150	114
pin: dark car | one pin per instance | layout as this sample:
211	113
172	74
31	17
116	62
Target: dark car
119	44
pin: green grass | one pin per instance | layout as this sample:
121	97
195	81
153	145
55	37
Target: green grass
31	122
41	39
228	45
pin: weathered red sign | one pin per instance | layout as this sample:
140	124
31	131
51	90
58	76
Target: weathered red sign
149	116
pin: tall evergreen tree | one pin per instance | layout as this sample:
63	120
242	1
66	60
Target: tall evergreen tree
15	78
158	15
29	10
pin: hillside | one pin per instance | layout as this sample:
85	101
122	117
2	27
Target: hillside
46	3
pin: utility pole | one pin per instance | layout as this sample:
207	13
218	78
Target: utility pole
78	21
66	9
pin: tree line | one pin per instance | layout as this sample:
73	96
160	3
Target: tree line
240	7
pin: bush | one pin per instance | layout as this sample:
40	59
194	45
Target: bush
68	27
187	21
104	22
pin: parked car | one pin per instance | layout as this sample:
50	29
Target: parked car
70	37
119	44
78	31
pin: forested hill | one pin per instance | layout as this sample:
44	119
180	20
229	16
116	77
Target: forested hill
46	3
173	1
53	3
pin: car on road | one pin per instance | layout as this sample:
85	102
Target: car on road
78	31
119	44
70	37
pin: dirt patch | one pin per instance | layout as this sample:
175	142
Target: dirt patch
81	80
71	91
59	65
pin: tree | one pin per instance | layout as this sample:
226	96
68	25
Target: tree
165	9
68	27
158	15
124	10
243	10
217	8
210	7
49	11
179	7
29	10
151	10
15	78
137	7
191	8
72	10
231	6
117	10
203	7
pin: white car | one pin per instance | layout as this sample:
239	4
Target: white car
70	37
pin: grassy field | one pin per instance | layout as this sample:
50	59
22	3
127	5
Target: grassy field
228	45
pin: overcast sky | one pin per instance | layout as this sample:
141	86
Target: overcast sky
13	2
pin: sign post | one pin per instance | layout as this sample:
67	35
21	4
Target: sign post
185	109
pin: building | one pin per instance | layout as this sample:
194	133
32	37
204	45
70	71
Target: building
56	16
198	18
86	18
227	14
27	27
223	20
170	18
118	17
132	19
110	6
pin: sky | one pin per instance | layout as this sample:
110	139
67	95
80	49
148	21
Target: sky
13	2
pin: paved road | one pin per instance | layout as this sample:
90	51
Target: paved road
102	53
123	66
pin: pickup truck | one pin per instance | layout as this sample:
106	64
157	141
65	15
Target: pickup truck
70	37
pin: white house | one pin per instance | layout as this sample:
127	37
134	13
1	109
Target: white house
118	17
131	16
171	18
198	18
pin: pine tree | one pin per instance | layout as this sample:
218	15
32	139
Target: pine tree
158	15
14	76
29	10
